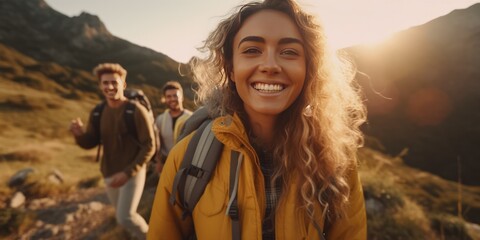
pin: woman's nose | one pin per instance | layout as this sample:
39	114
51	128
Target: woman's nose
270	63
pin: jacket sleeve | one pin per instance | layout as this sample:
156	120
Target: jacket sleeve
166	219
354	225
145	136
158	121
89	139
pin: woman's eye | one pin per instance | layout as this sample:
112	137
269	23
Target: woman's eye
251	51
289	52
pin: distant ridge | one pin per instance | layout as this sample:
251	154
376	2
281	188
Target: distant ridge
33	28
431	73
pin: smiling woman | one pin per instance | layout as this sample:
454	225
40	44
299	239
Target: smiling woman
268	68
286	104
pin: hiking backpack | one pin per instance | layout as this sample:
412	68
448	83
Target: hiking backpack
133	95
199	162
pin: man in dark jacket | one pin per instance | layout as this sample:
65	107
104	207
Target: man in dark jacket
123	163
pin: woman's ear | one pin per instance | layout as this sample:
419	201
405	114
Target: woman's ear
231	76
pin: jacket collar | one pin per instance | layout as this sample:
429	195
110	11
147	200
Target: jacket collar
230	131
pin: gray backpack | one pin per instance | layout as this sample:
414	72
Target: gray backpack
199	162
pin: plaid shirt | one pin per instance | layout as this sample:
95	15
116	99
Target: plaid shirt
272	194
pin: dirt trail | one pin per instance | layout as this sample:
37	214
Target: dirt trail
83	214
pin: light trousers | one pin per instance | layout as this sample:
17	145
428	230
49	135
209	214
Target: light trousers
125	200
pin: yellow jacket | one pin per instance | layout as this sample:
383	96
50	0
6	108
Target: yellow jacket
209	216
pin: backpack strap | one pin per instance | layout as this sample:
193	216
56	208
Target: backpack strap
199	162
195	171
320	232
130	119
128	116
95	121
326	224
232	208
193	122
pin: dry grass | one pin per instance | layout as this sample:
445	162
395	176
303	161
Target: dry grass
47	156
36	136
40	138
412	201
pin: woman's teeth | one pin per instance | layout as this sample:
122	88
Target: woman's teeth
263	87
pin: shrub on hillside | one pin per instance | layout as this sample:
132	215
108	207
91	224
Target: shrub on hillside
15	221
26	155
37	186
22	102
5	192
449	227
398	219
90	182
39	81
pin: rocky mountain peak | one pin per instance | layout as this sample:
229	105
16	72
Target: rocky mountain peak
89	26
39	21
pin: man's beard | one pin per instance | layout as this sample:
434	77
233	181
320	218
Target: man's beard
174	106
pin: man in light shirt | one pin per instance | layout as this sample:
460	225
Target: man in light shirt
170	122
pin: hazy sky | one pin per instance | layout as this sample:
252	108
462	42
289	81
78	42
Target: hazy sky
177	27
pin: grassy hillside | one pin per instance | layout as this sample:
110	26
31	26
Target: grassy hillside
406	203
35	133
402	202
38	100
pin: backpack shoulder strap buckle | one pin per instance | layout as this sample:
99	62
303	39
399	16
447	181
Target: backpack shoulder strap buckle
195	171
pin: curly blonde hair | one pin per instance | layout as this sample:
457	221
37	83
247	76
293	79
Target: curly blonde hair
325	136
